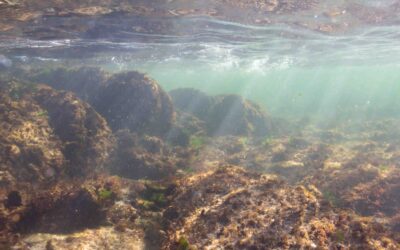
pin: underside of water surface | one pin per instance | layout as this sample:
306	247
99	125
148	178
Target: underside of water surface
213	124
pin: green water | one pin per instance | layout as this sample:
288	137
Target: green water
320	91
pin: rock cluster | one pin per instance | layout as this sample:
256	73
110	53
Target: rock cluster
233	209
48	134
128	100
222	187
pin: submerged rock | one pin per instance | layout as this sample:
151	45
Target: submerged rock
128	100
134	101
69	214
142	157
233	209
97	238
46	134
88	141
30	151
224	114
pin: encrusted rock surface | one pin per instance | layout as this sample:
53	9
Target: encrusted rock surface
131	100
88	141
47	134
342	181
144	157
69	214
127	100
232	209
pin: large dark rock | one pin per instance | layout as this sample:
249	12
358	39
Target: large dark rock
87	139
129	100
224	114
46	134
134	101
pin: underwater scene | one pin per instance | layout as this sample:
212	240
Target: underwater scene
199	124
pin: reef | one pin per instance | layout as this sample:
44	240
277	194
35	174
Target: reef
230	208
47	134
106	160
128	100
146	156
77	209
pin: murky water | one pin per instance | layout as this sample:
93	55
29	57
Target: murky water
303	91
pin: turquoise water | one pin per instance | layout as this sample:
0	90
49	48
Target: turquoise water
291	71
298	91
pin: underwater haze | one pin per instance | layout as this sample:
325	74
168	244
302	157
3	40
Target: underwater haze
212	124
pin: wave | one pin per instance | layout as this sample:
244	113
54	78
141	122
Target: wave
225	44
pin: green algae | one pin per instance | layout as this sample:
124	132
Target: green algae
331	198
105	194
197	142
183	244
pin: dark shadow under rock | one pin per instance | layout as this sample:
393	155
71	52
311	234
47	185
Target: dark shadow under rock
71	211
140	157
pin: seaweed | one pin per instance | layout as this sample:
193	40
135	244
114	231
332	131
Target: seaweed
183	244
331	198
105	194
197	142
154	197
340	236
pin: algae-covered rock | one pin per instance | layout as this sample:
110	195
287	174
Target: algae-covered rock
134	101
87	138
128	100
186	126
46	134
230	208
30	151
224	114
142	157
76	209
96	238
